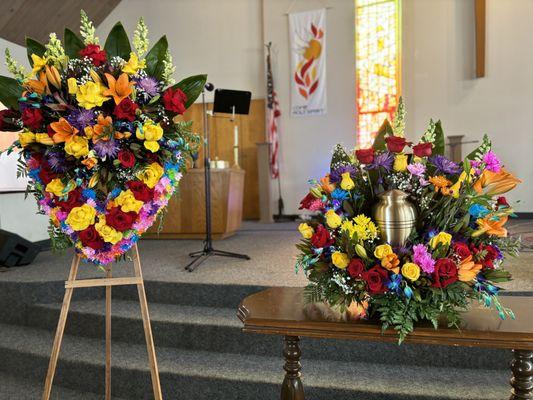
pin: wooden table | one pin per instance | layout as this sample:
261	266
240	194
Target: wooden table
280	311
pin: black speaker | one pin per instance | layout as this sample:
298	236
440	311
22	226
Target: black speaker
15	250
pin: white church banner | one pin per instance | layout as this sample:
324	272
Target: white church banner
307	32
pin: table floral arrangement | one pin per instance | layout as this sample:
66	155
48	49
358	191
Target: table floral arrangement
98	137
405	271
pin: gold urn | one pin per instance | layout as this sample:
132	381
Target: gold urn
395	216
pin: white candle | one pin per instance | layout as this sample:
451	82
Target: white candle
236	144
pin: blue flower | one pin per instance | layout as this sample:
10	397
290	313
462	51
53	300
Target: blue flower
394	283
408	292
339	194
89	194
478	211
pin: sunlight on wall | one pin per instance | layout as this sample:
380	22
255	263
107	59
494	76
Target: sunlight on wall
377	55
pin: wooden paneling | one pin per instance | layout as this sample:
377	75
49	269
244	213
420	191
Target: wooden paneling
251	132
37	18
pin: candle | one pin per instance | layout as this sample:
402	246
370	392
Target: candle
236	145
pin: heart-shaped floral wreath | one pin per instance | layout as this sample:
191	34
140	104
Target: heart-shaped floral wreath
99	142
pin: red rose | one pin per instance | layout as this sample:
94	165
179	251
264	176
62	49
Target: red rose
74	199
174	100
502	201
95	53
140	191
119	219
126	158
7	120
89	237
32	118
306	202
321	237
491	254
356	268
126	109
46	174
445	273
376	279
422	149
462	250
365	156
395	144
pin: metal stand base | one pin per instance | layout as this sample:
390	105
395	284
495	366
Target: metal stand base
200	256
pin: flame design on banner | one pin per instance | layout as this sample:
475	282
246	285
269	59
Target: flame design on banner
305	75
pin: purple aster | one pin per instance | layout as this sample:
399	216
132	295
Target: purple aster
416	169
106	148
383	160
492	163
336	175
80	118
149	85
57	161
445	165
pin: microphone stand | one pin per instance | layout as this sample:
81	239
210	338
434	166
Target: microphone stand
200	256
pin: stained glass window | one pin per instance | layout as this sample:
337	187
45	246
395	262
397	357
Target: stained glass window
377	55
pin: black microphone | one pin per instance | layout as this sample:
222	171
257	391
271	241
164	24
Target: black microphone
209	86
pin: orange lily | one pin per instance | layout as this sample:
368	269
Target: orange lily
63	131
495	183
118	88
52	75
391	262
39	86
491	226
326	185
468	269
102	129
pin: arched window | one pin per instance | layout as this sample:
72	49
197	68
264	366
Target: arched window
377	55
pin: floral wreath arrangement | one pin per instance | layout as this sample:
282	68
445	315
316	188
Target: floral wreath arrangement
405	234
98	137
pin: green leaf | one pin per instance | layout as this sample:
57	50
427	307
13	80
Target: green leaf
384	130
192	87
117	43
34	47
439	145
10	91
485	146
155	58
73	44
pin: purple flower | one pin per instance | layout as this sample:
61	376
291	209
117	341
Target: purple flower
476	165
383	160
149	85
336	175
416	169
423	259
57	160
444	165
492	163
80	118
106	148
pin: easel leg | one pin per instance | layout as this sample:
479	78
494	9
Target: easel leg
60	330
108	338
147	327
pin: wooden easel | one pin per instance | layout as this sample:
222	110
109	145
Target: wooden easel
107	282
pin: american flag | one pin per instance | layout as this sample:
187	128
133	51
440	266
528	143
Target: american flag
273	114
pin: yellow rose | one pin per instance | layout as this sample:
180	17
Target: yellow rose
90	95
333	219
56	187
81	218
127	201
150	133
77	146
306	230
108	233
411	271
26	138
400	162
43	138
72	85
382	250
443	238
133	64
340	260
347	182
151	175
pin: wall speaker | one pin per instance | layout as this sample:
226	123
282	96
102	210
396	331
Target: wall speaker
15	250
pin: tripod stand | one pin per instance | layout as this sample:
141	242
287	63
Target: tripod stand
199	257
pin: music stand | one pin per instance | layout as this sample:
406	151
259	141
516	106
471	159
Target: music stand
226	102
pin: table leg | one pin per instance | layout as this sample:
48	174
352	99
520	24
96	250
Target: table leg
522	379
292	387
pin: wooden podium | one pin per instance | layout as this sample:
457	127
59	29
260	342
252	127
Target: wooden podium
185	217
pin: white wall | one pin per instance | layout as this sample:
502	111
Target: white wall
438	78
306	142
17	214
